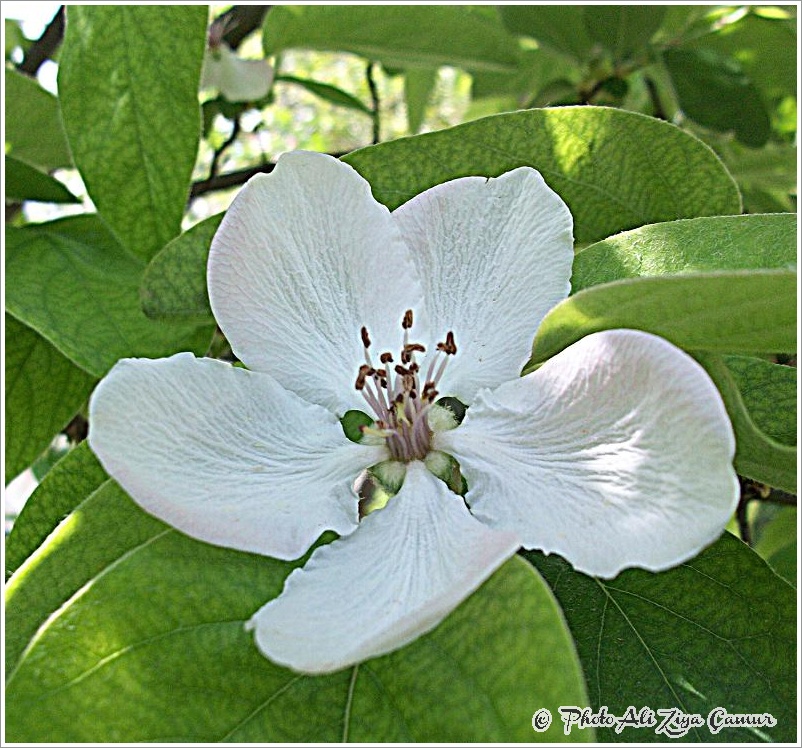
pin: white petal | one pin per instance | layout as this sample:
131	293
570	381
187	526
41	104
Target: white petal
403	570
302	260
226	455
494	255
236	79
615	453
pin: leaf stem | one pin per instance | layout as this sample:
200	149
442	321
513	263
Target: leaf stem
376	104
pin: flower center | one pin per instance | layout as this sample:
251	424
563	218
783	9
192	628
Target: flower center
395	395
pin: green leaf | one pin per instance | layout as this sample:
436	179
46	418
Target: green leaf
147	643
754	242
714	91
769	393
622	29
77	287
784	560
752	388
399	36
174	284
128	83
43	391
418	86
34	133
25	182
329	93
682	21
541	74
766	176
764	47
728	312
14	38
776	540
68	483
615	169
719	630
560	27
757	455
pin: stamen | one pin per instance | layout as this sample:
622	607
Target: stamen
364	371
401	403
449	347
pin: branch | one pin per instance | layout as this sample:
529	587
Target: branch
233	178
241	20
654	94
218	154
374	97
45	46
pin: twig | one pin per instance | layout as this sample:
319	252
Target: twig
241	20
376	104
218	154
754	491
233	179
654	94
778	497
45	46
743	521
586	97
77	429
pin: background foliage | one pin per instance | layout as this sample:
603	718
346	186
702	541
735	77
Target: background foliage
670	132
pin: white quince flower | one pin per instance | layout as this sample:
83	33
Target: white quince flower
615	453
237	79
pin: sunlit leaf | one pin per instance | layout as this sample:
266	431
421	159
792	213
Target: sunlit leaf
754	242
728	312
128	78
615	169
148	644
68	483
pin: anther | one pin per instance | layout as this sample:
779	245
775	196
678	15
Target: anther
364	372
449	347
429	391
400	396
